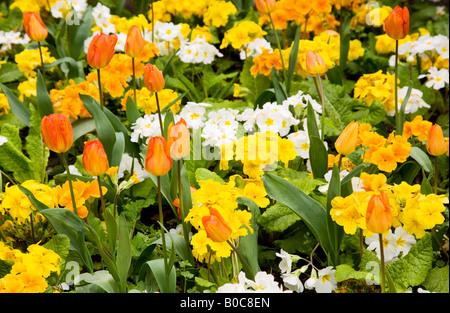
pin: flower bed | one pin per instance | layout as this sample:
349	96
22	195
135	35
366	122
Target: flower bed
224	146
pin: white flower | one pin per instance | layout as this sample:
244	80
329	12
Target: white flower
301	142
121	40
146	127
254	48
77	7
179	231
263	283
389	246
302	100
441	45
415	101
323	282
436	78
220	128
356	182
286	260
168	31
73	170
127	163
102	15
7	39
274	117
3	140
194	114
403	240
292	281
198	51
231	288
249	116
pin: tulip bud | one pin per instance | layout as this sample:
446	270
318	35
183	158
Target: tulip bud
153	78
178	140
95	160
217	229
436	144
134	46
158	161
315	64
378	215
397	23
34	26
348	140
57	132
265	6
101	50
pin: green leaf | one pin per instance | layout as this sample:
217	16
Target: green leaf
422	158
257	84
105	130
293	59
308	209
277	218
9	73
437	280
82	126
123	252
401	118
203	174
318	157
132	111
45	105
345	272
158	271
59	243
79	33
118	150
5	267
67	223
412	269
280	90
16	106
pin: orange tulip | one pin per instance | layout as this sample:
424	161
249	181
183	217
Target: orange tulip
436	144
57	132
178	139
378	215
158	161
94	159
315	64
217	229
397	23
265	6
34	26
101	50
348	140
153	78
134	46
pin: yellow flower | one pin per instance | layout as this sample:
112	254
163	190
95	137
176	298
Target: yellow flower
356	50
376	86
218	12
256	193
4	104
241	34
27	60
385	159
373	182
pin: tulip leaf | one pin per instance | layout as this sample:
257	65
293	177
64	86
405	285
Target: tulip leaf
422	158
157	270
132	111
44	103
17	107
293	59
123	252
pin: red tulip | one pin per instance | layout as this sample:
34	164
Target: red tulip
397	23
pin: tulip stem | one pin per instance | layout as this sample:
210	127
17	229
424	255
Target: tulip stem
279	46
163	237
180	191
244	262
159	115
101	197
319	88
32	228
134	80
42	59
382	281
100	89
69	178
397	117
435	174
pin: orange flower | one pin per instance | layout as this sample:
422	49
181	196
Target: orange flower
347	141
379	215
264	62
315	64
436	144
101	50
158	161
94	159
153	78
397	23
217	229
178	139
34	26
385	159
265	6
57	132
134	46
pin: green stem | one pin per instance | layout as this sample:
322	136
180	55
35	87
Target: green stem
100	89
163	237
279	46
134	80
244	262
69	178
42	59
435	174
382	282
101	197
159	114
32	228
322	100
361	246
397	117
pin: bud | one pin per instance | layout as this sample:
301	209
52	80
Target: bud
57	132
397	23
34	26
153	78
217	229
348	140
158	161
134	46
95	160
436	144
178	140
101	50
265	6
315	64
378	215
